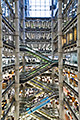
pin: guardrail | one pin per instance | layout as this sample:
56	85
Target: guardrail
74	91
71	109
9	66
4	116
8	87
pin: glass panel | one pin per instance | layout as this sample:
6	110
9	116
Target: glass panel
38	8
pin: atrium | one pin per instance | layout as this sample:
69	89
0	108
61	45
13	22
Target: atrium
39	59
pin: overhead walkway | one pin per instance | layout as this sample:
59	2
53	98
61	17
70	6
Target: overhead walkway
26	77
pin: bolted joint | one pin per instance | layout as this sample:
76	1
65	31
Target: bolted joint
61	102
0	81
17	85
16	101
60	17
16	33
1	73
0	10
61	84
16	17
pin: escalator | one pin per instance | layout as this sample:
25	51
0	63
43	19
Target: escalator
31	71
38	105
26	77
48	64
35	53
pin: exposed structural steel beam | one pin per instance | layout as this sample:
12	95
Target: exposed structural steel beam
1	46
78	49
60	55
16	60
24	21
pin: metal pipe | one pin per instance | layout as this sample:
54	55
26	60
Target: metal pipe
78	49
24	21
1	46
60	65
16	60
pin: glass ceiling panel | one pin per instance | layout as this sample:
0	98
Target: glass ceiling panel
38	8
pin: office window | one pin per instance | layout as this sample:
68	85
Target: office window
71	36
63	40
75	34
67	38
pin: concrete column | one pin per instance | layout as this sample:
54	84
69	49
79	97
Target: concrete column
52	29
78	49
60	64
52	37
16	60
1	46
24	21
